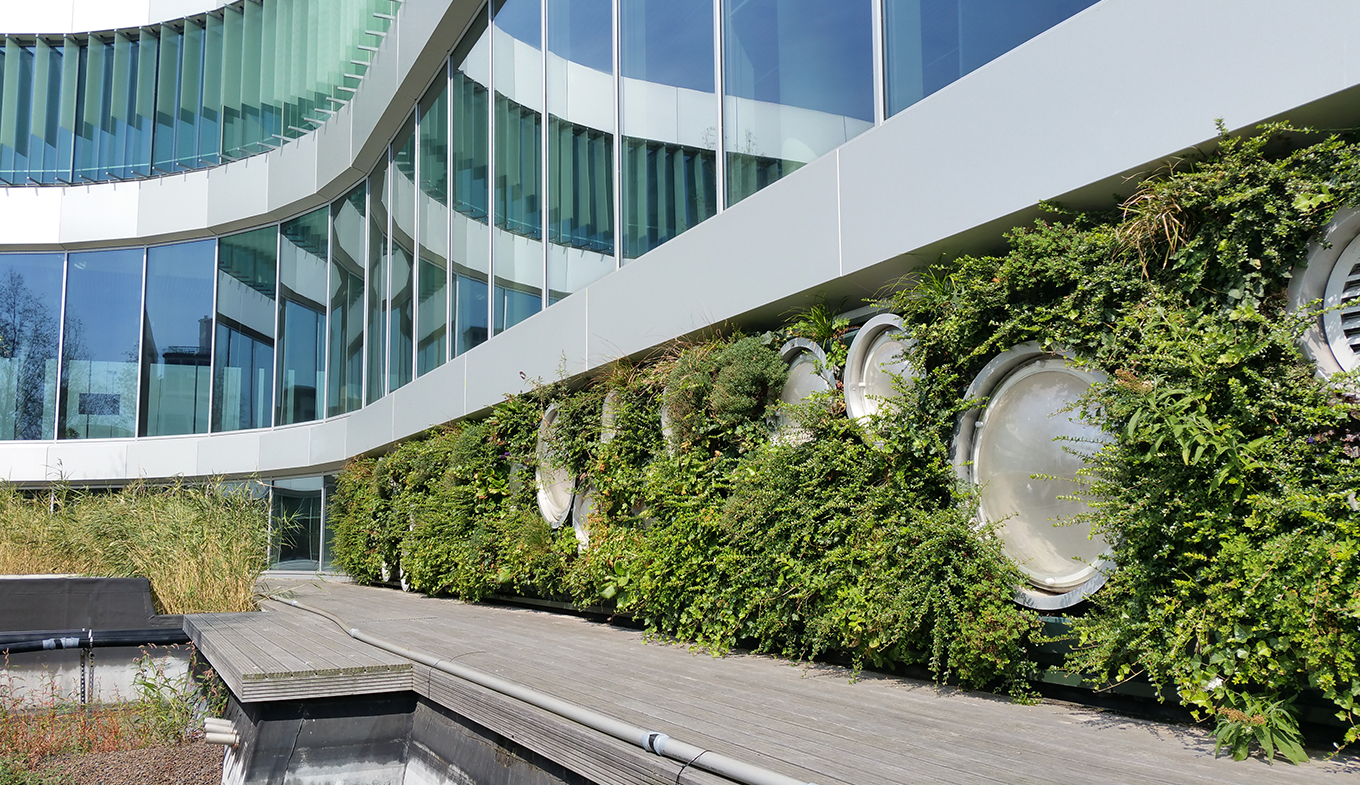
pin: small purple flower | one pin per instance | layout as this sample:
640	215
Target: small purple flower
1310	440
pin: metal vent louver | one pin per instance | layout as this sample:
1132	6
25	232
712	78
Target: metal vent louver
1341	323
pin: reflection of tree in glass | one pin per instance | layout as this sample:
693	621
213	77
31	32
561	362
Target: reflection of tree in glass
28	340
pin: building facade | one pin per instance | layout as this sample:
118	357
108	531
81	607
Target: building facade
255	239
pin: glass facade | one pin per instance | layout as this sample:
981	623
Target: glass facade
301	377
184	94
517	77
930	43
563	138
30	332
100	345
345	366
668	96
177	328
243	348
799	83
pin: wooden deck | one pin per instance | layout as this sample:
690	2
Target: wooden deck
810	722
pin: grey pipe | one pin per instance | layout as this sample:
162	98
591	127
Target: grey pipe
651	741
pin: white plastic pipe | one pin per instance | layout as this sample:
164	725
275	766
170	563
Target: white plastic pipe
651	741
228	739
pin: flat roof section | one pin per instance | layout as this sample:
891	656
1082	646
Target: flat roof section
812	721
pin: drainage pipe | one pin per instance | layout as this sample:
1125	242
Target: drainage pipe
651	741
89	639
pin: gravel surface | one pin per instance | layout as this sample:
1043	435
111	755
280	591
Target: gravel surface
185	764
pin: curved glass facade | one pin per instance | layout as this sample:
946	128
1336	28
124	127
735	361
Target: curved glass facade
505	190
184	94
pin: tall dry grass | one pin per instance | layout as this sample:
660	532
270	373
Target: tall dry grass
201	546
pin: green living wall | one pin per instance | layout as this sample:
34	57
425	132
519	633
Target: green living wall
1227	484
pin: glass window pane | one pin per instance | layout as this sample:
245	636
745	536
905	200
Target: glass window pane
799	81
930	43
190	95
377	283
177	339
327	531
470	235
163	158
401	281
670	120
30	307
432	198
210	116
303	292
297	519
346	367
580	144
99	345
243	363
518	82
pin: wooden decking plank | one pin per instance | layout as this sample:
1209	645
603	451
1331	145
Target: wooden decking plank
807	720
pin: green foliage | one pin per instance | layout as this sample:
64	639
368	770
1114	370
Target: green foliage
1227	485
1267	724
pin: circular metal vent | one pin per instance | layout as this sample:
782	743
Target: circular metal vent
1332	275
876	355
556	484
1021	452
580	516
808	375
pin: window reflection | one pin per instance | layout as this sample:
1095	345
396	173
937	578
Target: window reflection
432	205
518	124
345	369
99	345
401	280
580	144
302	318
930	43
177	339
470	253
297	520
377	283
30	306
243	358
799	81
670	120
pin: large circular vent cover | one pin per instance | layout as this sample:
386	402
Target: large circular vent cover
1332	275
808	375
875	356
556	485
1021	450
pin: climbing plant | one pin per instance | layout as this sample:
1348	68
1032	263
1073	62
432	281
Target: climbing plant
1227	485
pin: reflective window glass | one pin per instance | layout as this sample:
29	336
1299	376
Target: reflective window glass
30	310
401	277
297	521
470	237
303	292
930	43
377	283
100	345
670	120
345	371
518	125
580	144
432	203
177	333
243	354
799	82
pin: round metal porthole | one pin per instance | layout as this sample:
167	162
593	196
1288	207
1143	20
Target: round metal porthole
581	511
808	375
1332	275
1019	450
556	484
876	355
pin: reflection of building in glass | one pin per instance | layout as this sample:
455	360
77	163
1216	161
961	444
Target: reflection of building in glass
368	234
